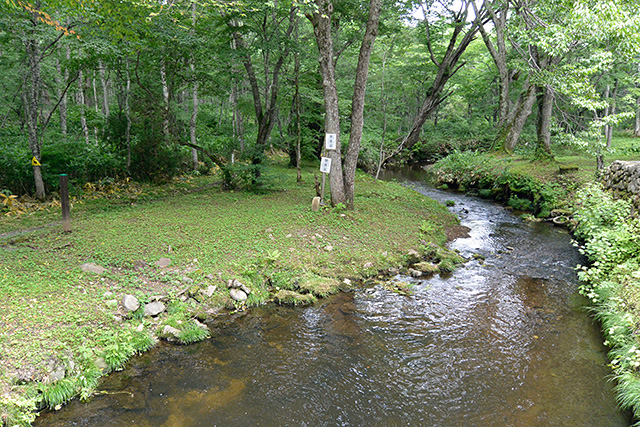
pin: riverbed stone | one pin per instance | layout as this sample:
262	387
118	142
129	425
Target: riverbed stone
210	290
426	267
413	256
91	267
236	284
130	303
170	333
238	295
154	308
414	272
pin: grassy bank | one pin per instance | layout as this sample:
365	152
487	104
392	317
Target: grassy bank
62	327
606	229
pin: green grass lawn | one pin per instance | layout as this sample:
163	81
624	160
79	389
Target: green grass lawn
54	314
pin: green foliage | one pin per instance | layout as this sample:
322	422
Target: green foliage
191	332
119	348
59	392
608	236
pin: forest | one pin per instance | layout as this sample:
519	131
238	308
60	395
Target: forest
104	90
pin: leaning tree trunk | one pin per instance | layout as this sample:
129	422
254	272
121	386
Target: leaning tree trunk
321	20
357	105
510	133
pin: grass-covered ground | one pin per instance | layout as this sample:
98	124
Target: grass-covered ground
62	328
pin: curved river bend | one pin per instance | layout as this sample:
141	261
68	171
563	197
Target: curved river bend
500	342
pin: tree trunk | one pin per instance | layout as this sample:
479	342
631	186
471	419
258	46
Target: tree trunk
611	110
194	97
383	103
127	114
357	105
510	133
61	81
447	67
296	102
105	91
95	105
265	116
321	20
545	107
82	105
499	54
31	99
636	129
165	98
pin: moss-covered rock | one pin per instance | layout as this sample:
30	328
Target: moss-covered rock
285	297
319	286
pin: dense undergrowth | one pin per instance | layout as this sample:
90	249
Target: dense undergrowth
493	177
607	232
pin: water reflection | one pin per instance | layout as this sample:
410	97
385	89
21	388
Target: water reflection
500	342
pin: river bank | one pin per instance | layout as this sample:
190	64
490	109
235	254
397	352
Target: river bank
498	341
605	226
73	305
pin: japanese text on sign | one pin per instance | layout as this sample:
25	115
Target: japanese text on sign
330	141
325	165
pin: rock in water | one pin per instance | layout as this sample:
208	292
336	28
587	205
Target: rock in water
130	302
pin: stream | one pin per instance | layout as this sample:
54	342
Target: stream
504	341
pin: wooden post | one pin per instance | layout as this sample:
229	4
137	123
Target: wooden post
64	202
324	177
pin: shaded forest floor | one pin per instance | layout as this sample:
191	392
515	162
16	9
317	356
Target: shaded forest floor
180	243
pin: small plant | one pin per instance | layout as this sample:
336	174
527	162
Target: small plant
450	203
192	332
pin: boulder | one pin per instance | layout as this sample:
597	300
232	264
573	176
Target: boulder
236	284
130	303
413	256
170	333
90	267
237	295
154	308
415	273
163	262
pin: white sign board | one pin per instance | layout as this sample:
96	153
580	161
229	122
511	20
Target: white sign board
330	141
325	165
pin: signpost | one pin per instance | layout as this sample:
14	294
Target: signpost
64	202
330	143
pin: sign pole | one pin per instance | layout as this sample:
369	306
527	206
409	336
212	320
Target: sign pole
64	203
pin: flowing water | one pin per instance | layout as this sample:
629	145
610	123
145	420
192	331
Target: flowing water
503	341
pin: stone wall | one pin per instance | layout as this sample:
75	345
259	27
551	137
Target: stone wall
623	176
